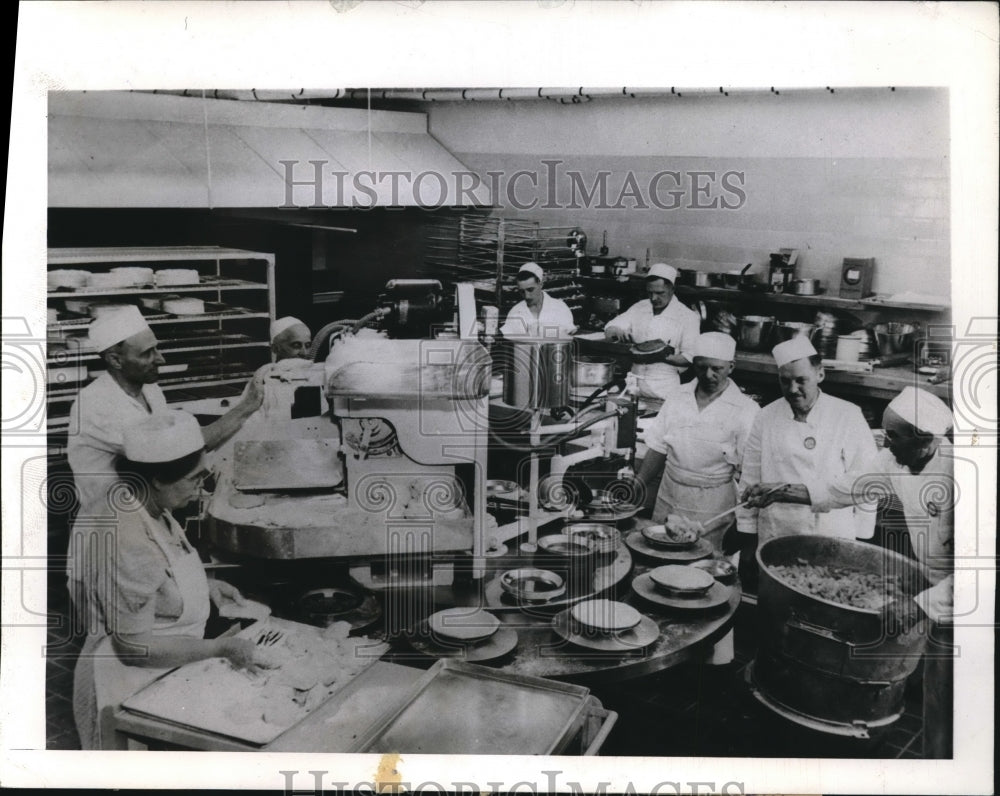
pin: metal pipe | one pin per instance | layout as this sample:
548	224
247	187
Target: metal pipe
557	94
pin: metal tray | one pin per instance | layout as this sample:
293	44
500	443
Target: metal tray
279	465
462	708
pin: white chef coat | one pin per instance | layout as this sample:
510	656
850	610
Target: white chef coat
103	410
927	499
676	325
554	319
833	440
702	450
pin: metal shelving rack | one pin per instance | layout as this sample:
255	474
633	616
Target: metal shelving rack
213	353
489	251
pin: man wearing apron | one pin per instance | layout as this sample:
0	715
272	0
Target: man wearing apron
917	468
153	597
696	441
661	316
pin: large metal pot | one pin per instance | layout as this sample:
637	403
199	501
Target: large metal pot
805	287
592	371
827	665
894	338
693	278
537	373
789	329
756	332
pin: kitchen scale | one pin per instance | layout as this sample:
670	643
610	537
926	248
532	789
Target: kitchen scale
856	277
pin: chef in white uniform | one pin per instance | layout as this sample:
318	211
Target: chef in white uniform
661	316
125	393
916	467
696	440
290	339
151	599
539	315
805	437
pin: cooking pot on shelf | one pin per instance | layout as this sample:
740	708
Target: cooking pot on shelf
805	287
755	332
894	338
694	278
786	330
734	280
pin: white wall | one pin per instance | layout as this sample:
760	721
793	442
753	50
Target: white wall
857	173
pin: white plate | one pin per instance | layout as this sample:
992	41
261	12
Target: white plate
606	616
682	579
463	623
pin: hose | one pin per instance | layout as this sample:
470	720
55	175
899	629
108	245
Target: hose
590	398
554	441
321	336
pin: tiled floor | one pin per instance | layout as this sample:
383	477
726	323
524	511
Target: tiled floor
687	711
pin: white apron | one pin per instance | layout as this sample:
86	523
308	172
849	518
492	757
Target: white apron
698	479
698	484
655	379
101	681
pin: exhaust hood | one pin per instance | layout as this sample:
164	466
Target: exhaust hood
119	149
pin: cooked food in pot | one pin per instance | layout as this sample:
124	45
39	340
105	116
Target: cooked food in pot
867	590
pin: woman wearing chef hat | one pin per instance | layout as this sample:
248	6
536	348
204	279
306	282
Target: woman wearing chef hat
125	393
917	466
151	595
806	437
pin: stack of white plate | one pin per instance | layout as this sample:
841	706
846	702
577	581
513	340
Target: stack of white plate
68	278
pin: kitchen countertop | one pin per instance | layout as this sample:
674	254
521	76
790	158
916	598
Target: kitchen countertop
883	383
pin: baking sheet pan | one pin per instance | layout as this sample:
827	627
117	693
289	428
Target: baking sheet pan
462	708
287	464
203	695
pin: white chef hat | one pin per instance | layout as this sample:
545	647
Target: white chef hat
163	437
532	268
922	410
715	345
114	326
284	324
662	271
790	350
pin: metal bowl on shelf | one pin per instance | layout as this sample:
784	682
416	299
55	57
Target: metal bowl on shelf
894	338
755	332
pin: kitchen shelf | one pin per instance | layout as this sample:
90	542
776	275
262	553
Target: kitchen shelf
204	285
204	350
165	318
635	285
116	255
69	358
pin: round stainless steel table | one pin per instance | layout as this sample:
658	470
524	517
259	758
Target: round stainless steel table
684	635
